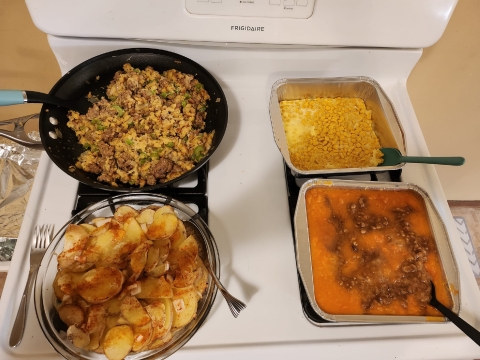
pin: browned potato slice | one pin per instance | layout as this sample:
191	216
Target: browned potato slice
118	342
168	313
160	326
78	337
122	321
142	336
201	276
71	314
179	235
166	209
124	212
146	216
163	247
182	265
88	227
59	294
159	270
152	258
134	234
163	226
184	306
76	238
104	249
154	288
159	342
100	284
190	245
138	260
100	221
134	312
113	306
68	282
95	325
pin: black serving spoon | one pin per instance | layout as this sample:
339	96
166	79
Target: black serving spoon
468	329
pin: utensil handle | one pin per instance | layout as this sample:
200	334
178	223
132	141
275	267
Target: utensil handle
20	321
468	329
12	97
449	160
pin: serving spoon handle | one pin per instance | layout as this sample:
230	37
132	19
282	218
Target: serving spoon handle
16	97
468	329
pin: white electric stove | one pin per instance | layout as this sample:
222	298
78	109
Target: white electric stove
247	46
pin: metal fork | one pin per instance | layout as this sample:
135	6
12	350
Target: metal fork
41	239
234	304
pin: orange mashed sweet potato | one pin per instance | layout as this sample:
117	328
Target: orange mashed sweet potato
373	252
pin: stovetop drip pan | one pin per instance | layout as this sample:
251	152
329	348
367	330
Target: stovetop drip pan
192	190
293	189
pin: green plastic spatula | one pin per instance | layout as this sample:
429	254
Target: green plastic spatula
392	156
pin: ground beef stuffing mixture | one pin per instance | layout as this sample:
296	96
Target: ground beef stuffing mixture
148	131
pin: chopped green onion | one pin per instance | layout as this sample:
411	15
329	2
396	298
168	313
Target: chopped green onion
120	111
185	139
165	94
95	121
86	146
131	182
203	108
187	96
131	124
129	142
82	127
184	103
112	98
153	92
170	144
154	155
94	148
100	127
198	153
199	86
153	136
137	71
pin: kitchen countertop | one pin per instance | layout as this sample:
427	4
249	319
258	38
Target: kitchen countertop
443	87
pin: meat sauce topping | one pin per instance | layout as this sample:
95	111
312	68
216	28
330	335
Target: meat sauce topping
375	252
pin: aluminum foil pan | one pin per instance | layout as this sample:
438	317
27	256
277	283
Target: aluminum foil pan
386	124
304	263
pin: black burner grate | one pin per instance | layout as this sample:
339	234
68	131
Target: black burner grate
195	194
293	191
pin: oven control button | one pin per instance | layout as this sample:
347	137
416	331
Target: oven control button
288	2
274	2
302	2
202	0
216	1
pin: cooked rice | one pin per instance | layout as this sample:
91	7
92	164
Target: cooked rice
148	131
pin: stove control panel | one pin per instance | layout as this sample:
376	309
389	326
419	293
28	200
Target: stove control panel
298	9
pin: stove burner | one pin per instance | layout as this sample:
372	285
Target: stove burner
182	190
293	190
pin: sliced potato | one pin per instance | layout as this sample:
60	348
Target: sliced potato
166	209
77	336
163	247
101	221
118	342
88	227
154	288
201	276
124	212
71	314
160	269
112	306
59	294
163	226
185	313
100	284
152	258
159	342
95	325
179	235
142	336
157	313
68	282
76	239
134	234
182	265
190	245
145	217
134	312
138	260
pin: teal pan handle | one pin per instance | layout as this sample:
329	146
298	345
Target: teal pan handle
12	97
449	160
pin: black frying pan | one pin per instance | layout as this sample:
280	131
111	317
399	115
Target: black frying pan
94	75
